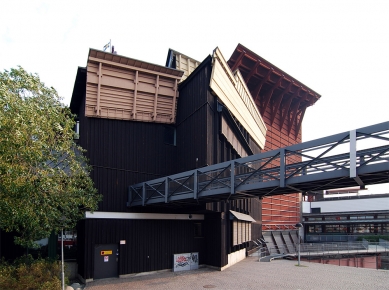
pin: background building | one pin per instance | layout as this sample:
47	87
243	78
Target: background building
345	215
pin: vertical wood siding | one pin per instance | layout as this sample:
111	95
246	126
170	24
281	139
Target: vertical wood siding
150	244
122	153
193	121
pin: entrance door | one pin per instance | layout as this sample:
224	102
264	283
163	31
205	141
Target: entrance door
106	261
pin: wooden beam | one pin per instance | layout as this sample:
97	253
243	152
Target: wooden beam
156	98
174	102
258	88
99	74
179	61
238	61
134	68
287	107
135	94
300	121
294	114
278	102
269	94
252	71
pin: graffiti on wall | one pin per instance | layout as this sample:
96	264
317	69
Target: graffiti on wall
186	261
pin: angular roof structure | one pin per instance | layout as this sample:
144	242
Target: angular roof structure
273	90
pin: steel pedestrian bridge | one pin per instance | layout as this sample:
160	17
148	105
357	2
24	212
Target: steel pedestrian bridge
358	157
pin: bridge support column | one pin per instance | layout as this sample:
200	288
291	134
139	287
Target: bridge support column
353	153
143	193
353	158
166	189
282	167
195	185
232	177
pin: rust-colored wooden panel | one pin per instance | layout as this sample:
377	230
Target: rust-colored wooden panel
123	88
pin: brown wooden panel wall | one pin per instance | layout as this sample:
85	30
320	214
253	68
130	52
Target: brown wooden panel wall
186	64
126	92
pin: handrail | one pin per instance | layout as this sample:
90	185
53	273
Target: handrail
312	249
327	162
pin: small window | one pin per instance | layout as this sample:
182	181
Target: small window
170	135
77	130
315	210
241	232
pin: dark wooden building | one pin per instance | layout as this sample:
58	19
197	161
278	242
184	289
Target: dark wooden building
138	122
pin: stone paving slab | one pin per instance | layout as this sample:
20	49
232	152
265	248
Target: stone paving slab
251	274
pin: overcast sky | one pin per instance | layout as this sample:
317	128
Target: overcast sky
340	49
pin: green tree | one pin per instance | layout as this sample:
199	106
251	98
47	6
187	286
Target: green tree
44	177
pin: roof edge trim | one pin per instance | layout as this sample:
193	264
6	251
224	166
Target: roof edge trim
242	216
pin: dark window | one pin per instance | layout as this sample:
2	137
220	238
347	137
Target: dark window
198	230
170	135
315	210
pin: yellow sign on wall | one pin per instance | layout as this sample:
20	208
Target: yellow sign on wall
104	253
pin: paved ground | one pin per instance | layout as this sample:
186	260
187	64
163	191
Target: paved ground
250	274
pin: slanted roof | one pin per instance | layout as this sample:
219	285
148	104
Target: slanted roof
233	92
78	90
273	90
242	216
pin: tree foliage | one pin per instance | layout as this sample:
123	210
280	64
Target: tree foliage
27	273
44	177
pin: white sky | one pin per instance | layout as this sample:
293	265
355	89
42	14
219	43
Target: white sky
340	49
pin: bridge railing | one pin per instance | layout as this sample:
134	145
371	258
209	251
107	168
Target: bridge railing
327	158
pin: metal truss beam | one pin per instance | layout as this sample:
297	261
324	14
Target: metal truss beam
274	172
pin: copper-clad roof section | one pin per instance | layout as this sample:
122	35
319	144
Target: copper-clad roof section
276	93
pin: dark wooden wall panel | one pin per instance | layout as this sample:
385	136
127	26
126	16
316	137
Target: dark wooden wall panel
192	119
123	153
150	244
215	253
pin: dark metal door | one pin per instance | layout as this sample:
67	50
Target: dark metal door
106	261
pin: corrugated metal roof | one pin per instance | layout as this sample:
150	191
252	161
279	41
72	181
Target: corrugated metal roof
242	216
